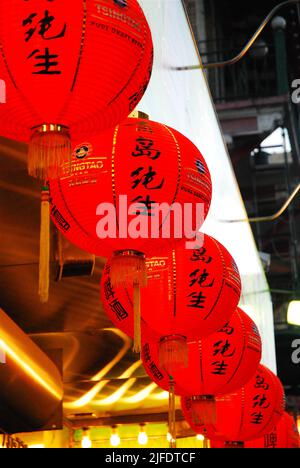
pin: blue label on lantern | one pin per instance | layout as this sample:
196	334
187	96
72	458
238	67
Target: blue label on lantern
121	3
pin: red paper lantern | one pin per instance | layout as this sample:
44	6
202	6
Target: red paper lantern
283	436
70	68
218	364
143	160
190	294
151	166
245	415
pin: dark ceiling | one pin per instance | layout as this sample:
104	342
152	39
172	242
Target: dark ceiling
96	357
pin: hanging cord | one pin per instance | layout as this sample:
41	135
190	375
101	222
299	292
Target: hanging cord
172	413
44	260
247	47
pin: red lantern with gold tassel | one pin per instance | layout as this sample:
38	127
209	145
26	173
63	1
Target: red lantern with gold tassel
142	166
70	69
190	294
245	415
221	363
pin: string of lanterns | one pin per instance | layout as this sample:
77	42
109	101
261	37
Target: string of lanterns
72	81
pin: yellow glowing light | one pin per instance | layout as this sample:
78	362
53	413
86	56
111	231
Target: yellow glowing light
128	373
141	395
160	396
91	394
87	397
116	396
200	437
30	371
142	438
117	358
170	438
298	424
114	438
86	442
293	315
36	446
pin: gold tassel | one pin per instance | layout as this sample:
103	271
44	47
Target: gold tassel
137	318
173	353
49	149
44	267
172	414
128	269
206	443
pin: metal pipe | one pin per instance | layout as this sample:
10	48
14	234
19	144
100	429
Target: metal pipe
266	218
247	47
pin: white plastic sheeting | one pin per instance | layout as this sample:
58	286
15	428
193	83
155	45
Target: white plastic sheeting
182	100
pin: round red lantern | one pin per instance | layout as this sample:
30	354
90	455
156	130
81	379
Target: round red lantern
136	166
221	363
245	415
283	436
131	192
190	294
70	68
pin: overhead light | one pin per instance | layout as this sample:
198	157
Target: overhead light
114	438
36	446
86	442
142	438
200	437
293	314
170	438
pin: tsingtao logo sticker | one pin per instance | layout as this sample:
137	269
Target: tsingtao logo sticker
82	151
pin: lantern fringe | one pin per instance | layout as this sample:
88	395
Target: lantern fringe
204	409
49	149
173	353
128	269
172	413
44	260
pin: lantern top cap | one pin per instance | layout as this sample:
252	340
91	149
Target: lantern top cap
136	114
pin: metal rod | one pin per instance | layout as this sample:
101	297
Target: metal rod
267	218
248	46
292	221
